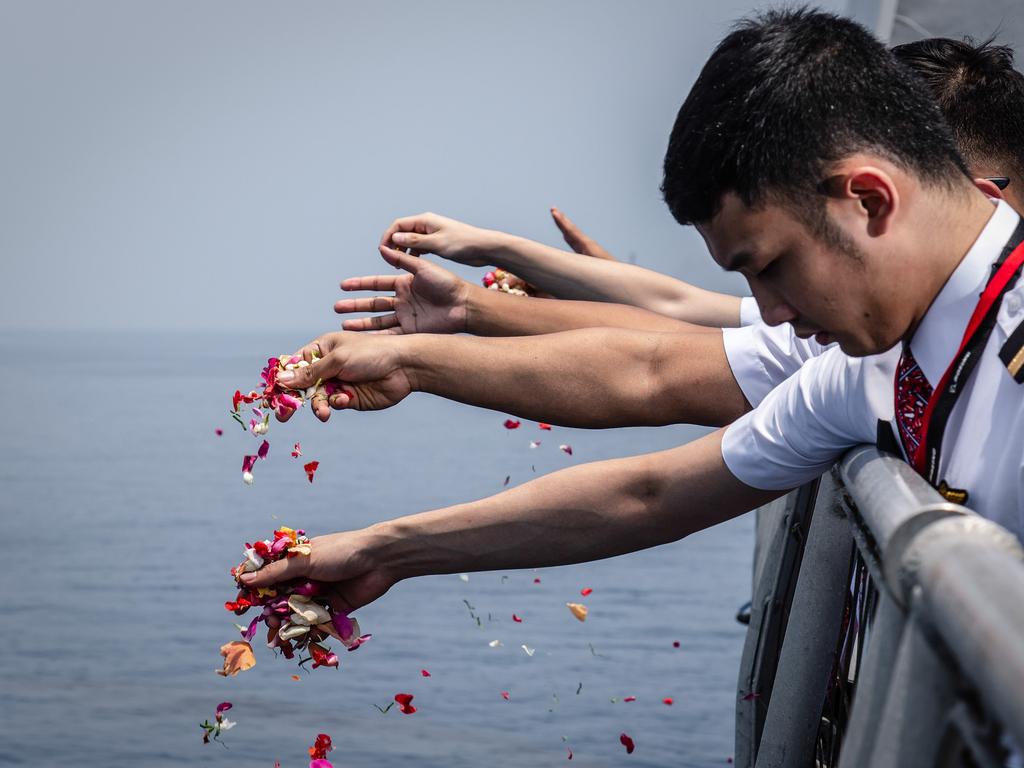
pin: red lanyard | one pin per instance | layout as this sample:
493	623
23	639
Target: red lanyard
940	405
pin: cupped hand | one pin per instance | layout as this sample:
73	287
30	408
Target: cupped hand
358	371
448	238
342	561
427	299
576	239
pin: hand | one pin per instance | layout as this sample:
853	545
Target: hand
450	239
358	371
342	560
576	239
429	299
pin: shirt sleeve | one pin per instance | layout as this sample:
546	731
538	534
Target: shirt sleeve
806	423
762	356
749	313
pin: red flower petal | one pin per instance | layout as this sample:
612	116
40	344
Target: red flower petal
627	743
263	450
405	703
219	432
512	424
586	591
505	696
629	698
570	754
536	581
424	673
675	643
542	425
311	469
667	701
516	619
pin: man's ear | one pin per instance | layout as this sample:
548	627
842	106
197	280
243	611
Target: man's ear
875	192
989	188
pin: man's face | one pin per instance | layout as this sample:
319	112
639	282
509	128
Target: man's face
824	290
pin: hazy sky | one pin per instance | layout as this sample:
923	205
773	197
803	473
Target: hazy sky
222	165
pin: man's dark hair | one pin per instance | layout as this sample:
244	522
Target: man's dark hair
978	91
785	94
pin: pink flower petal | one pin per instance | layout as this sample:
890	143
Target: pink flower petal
224	706
248	462
424	673
264	449
565	449
512	424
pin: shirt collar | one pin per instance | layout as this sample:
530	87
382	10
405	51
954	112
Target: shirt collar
938	336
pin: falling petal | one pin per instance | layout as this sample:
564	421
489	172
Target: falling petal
565	449
517	619
536	580
296	677
248	462
579	610
529	651
505	695
238	657
296	451
224	706
311	469
507	478
628	699
627	743
544	426
535	443
495	643
404	701
512	423
264	449
219	432
570	754
667	701
463	577
424	673
675	643
249	632
586	591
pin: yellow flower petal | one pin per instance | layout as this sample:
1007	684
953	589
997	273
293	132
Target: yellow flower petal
238	657
579	610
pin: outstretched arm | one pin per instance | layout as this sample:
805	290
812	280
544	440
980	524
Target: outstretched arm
430	299
594	378
562	274
575	515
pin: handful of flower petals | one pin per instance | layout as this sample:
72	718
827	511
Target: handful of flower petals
274	398
506	282
298	615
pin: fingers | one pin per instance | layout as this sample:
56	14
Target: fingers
340	400
318	404
422	223
281	570
570	232
401	259
376	283
378	323
372	304
307	376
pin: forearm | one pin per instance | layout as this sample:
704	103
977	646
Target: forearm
583	513
493	313
573	276
593	378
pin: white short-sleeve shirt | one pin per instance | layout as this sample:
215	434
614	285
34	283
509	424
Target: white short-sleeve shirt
834	401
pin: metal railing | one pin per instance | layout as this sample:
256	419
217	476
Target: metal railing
887	628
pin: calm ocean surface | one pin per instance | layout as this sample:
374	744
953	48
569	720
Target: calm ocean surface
123	512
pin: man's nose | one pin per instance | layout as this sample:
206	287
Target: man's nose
774	311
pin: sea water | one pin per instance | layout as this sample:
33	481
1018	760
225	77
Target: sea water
123	511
